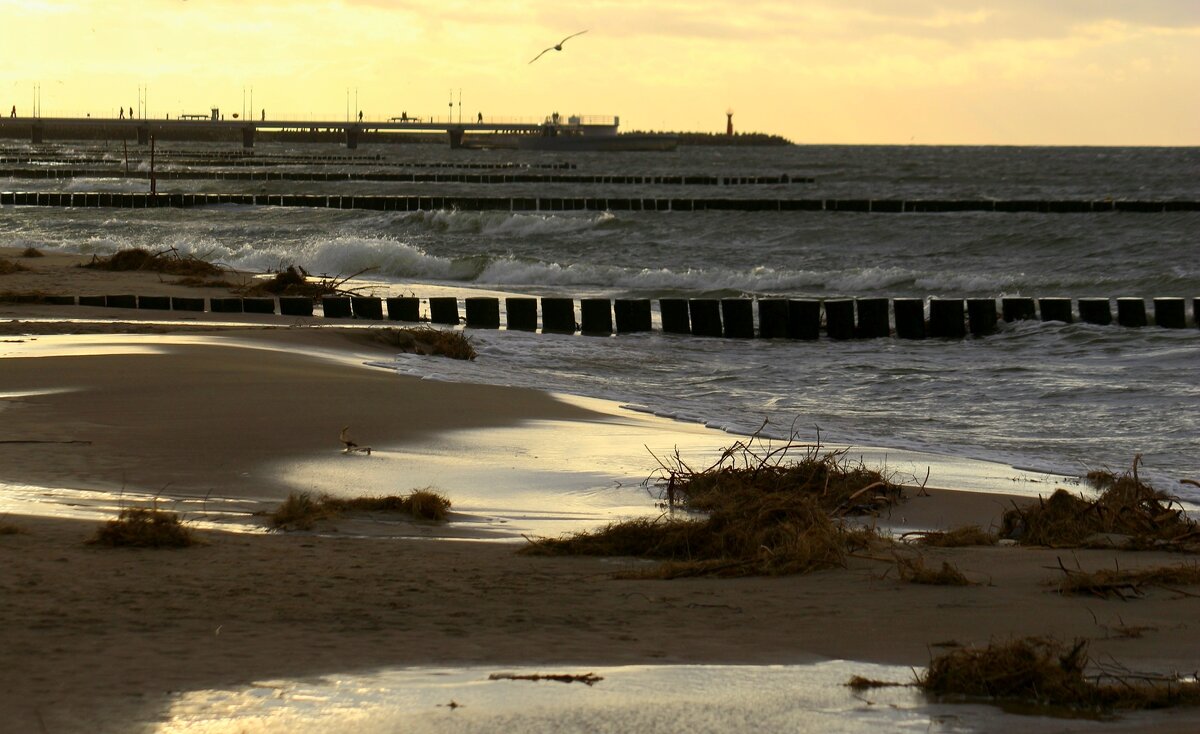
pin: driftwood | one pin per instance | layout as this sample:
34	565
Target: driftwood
589	679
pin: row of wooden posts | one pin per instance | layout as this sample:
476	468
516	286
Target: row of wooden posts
400	177
838	318
143	200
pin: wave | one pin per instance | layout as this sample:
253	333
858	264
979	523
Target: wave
502	224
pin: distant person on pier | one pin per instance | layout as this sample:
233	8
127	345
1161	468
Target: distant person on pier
131	113
14	112
360	115
264	114
122	115
480	119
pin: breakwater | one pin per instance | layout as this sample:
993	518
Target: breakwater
800	319
467	178
506	203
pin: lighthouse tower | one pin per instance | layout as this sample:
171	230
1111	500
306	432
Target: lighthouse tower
729	122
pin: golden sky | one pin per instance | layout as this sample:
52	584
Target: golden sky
1089	72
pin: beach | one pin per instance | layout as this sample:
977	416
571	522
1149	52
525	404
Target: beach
101	639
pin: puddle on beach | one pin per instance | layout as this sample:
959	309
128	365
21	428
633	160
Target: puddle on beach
645	699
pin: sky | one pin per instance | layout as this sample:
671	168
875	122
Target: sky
1023	72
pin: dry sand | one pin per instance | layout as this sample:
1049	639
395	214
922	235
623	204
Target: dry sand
94	639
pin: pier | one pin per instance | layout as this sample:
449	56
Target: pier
39	129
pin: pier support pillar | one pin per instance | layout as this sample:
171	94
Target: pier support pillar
248	136
143	135
456	137
352	136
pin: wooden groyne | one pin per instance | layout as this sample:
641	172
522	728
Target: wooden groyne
801	319
398	177
507	203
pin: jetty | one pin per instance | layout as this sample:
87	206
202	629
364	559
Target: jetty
213	126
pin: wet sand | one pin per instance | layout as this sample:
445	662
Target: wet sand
96	639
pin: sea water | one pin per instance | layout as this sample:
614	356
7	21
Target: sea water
1063	398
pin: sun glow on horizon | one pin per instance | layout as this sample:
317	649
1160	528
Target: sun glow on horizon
1020	72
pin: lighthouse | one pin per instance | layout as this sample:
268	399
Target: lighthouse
729	122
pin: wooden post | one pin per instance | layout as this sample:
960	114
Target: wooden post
1131	312
295	306
1018	309
1170	313
872	318
402	308
595	316
483	312
737	315
946	318
981	315
367	307
444	310
558	315
521	313
705	314
804	319
839	318
1095	311
334	307
633	315
675	317
910	317
1056	309
773	318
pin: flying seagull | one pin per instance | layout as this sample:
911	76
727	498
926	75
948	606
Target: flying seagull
557	46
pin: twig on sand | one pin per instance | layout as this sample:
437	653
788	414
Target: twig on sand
587	678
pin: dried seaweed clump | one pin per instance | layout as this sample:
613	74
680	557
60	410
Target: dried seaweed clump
426	340
914	571
1141	516
144	528
31	252
1047	672
302	511
8	267
1125	583
293	281
761	517
169	261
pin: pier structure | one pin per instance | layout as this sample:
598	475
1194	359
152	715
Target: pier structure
203	127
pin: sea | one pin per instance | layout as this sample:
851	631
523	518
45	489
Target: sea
1042	396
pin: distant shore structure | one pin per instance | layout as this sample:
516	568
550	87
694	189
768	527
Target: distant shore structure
729	122
577	132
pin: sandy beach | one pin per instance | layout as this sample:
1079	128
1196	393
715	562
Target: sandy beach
97	639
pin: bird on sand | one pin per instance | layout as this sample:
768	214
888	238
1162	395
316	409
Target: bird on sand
557	46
